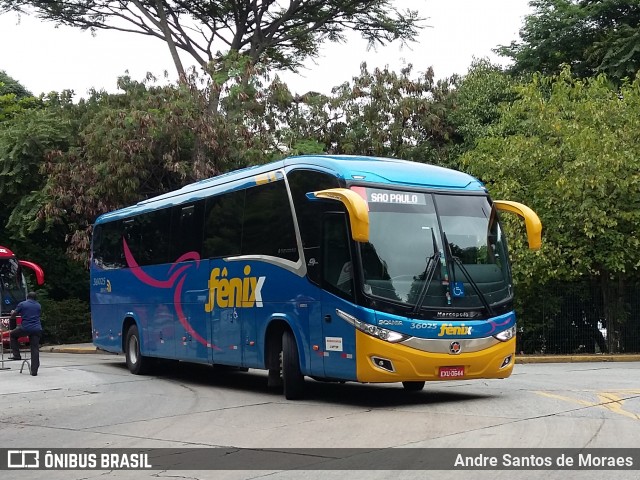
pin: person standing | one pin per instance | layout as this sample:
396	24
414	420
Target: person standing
30	311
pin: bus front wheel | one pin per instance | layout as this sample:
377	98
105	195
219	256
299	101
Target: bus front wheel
292	378
413	386
136	362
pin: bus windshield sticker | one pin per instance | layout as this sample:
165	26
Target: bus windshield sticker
458	289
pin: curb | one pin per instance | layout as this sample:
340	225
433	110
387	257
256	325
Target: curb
577	358
63	349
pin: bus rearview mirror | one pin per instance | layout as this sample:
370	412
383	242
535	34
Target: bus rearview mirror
356	208
531	220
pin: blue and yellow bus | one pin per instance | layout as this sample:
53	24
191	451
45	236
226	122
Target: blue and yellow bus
341	268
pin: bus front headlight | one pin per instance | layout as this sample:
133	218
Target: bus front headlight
507	334
373	330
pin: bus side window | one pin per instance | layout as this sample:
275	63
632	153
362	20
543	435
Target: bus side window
147	236
309	214
186	229
107	245
337	264
268	222
374	267
132	237
223	225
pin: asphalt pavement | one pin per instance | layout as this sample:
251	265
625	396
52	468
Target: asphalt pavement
90	348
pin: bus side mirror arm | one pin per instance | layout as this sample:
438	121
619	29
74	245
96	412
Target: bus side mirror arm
36	269
356	207
531	220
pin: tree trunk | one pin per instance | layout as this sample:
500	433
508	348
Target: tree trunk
214	99
169	39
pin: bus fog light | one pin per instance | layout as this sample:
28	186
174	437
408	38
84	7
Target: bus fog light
383	363
506	361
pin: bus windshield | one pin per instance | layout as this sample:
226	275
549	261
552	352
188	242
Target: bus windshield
431	250
12	286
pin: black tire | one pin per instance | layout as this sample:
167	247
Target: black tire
413	386
292	378
136	362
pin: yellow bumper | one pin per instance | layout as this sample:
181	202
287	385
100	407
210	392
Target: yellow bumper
410	364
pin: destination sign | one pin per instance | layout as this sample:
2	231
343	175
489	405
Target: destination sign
386	196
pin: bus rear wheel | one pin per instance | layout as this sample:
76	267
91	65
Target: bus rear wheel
292	378
136	362
413	386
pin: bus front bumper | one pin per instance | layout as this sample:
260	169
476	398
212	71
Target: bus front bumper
381	362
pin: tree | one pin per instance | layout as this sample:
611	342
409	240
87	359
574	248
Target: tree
380	112
478	97
592	36
224	37
568	148
276	35
28	130
10	86
139	144
392	114
14	98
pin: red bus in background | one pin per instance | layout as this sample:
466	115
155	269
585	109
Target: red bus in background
13	288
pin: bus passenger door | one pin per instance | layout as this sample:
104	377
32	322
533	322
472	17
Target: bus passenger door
192	326
234	331
338	346
226	328
250	349
161	337
225	315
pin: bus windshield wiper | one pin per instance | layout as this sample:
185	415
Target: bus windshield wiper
432	263
468	276
429	271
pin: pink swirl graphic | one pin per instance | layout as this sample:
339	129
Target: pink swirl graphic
177	292
495	325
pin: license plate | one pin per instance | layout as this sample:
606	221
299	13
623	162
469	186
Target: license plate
451	372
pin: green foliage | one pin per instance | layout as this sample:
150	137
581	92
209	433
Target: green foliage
478	97
30	128
142	143
23	143
566	147
14	98
9	86
65	321
593	36
390	114
297	122
10	105
24	140
563	145
379	113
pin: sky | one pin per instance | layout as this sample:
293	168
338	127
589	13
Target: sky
44	58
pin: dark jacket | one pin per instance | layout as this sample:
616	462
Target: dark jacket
29	310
